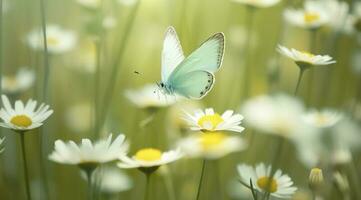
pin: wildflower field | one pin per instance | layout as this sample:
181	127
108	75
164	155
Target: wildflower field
180	99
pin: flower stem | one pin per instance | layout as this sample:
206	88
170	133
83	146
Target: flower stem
147	186
97	44
89	174
299	81
201	180
25	166
46	55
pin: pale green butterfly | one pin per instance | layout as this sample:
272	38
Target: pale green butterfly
191	77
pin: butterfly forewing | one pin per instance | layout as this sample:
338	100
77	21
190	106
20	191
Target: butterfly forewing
208	57
172	53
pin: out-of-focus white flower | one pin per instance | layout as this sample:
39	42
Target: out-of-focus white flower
322	119
149	97
23	80
88	155
341	156
212	121
279	114
237	36
337	12
59	40
279	186
127	2
312	16
341	181
353	20
305	59
23	117
258	3
109	22
211	145
78	117
113	180
90	4
149	159
84	57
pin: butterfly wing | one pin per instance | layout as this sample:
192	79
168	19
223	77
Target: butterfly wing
208	57
172	53
194	85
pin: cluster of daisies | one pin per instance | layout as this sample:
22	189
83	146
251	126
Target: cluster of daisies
210	142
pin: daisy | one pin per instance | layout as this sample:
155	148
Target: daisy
87	155
305	59
312	16
275	114
279	186
149	159
23	117
212	121
211	145
90	4
22	81
148	97
59	40
258	3
113	181
322	119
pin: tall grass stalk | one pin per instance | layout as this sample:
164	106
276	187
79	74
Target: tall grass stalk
312	49
169	186
109	91
25	166
98	44
1	44
42	137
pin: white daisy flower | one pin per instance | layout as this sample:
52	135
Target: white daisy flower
212	121
149	97
337	11
149	159
312	16
113	180
87	154
276	114
59	40
258	3
22	81
1	143
305	59
23	117
280	186
322	119
91	4
211	145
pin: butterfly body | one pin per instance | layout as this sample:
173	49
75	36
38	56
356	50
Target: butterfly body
193	76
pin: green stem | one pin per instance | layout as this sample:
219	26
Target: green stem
170	187
147	186
25	166
89	174
1	43
96	88
299	81
313	48
44	96
247	74
201	180
115	68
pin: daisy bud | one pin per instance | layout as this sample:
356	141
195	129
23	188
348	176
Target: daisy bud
315	180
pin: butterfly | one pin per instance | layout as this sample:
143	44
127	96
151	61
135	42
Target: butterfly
193	76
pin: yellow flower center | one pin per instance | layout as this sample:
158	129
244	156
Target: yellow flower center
210	122
212	140
266	184
52	41
321	119
148	154
21	120
311	17
308	54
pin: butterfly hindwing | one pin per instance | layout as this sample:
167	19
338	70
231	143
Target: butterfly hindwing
194	85
172	53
